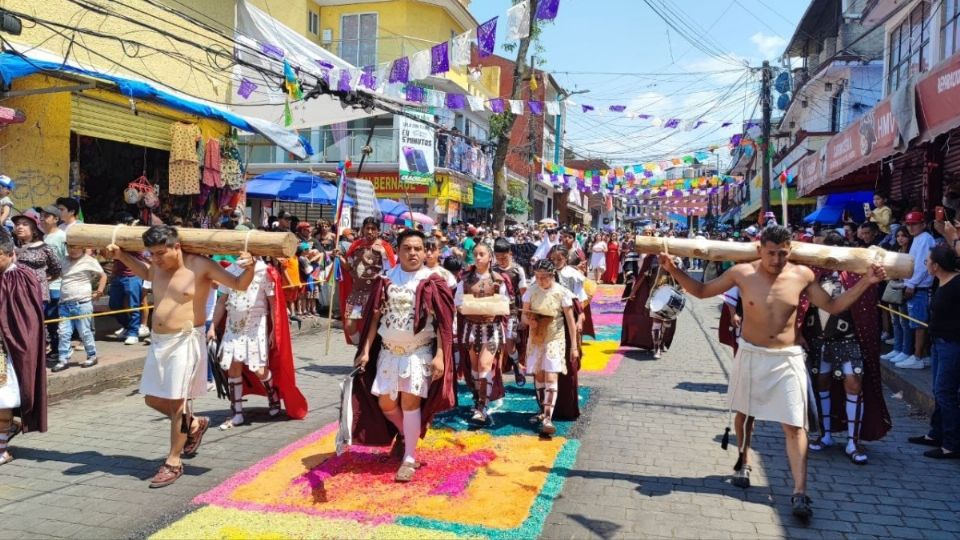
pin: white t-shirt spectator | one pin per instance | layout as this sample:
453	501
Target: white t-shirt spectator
77	279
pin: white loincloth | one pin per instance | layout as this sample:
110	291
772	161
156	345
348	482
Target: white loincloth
770	384
176	365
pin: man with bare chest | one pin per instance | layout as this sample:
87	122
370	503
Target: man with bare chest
769	380
175	369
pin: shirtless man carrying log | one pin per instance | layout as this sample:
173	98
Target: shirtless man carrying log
769	380
176	366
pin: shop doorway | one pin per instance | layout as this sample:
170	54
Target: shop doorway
105	168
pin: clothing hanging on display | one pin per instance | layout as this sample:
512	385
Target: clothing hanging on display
184	161
212	164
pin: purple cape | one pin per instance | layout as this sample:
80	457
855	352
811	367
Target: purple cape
21	316
433	297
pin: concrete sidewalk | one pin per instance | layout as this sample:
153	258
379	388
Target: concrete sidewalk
120	364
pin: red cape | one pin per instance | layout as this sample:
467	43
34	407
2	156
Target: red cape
21	328
636	316
370	426
280	357
727	334
346	284
498	362
876	417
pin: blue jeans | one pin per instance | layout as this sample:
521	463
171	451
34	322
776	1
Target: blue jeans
125	293
50	311
918	307
82	326
902	333
945	422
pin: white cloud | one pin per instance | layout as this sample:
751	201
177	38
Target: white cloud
769	47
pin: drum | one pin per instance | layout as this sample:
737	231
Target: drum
666	303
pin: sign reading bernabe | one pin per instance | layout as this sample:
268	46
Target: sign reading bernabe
416	152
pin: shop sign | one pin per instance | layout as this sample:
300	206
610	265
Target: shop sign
452	188
540	190
416	152
388	186
939	96
868	140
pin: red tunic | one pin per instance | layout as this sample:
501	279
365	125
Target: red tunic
613	263
433	297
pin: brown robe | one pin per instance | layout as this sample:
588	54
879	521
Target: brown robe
433	297
21	328
637	322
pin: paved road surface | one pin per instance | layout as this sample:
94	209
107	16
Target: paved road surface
649	462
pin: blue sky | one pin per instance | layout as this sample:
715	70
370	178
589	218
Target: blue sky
625	54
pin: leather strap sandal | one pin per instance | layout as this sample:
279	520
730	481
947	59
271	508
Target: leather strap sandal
801	508
859	455
406	470
167	475
194	439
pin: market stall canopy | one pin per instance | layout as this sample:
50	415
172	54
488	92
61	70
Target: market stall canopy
16	65
393	208
832	211
294	186
266	43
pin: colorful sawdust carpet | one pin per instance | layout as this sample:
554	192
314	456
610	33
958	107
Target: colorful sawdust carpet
306	491
602	353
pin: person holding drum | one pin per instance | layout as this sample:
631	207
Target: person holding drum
649	320
547	306
483	302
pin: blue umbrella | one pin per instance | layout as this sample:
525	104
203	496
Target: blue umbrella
393	208
294	186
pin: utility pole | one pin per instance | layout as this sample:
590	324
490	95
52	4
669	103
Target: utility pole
765	145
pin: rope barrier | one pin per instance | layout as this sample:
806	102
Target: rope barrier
905	316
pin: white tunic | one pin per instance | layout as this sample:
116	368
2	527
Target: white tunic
405	358
245	336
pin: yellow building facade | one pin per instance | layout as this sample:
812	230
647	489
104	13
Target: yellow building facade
37	153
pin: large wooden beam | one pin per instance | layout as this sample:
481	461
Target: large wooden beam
859	260
200	241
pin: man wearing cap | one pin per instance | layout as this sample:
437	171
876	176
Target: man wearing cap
57	240
68	208
917	291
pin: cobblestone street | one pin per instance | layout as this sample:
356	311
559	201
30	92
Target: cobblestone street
649	462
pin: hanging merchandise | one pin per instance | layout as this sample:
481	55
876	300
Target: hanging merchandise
231	166
212	164
141	190
184	167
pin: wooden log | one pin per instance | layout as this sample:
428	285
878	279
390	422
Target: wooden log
199	241
859	260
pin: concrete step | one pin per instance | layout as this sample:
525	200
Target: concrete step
915	384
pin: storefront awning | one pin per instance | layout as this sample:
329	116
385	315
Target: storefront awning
482	196
14	66
939	95
881	132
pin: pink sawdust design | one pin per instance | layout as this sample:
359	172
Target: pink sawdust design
612	364
220	494
367	469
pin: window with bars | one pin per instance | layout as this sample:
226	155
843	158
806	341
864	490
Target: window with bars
909	47
950	29
358	39
313	23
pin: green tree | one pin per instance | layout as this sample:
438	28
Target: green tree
501	125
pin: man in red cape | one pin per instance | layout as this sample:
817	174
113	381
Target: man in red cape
405	357
24	390
875	418
637	322
363	261
280	357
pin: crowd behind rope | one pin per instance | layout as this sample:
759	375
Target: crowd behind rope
918	324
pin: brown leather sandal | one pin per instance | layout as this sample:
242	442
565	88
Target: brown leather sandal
167	475
406	470
194	439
